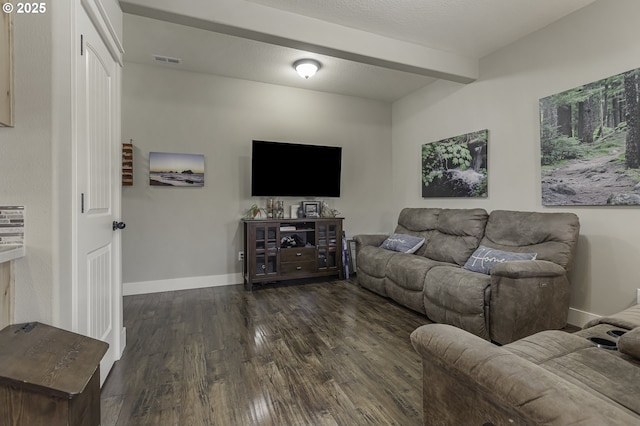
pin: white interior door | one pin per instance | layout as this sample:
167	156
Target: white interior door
98	279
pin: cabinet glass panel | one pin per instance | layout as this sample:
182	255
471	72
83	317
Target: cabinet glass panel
322	235
327	259
266	263
332	234
260	240
261	267
272	237
266	237
271	263
331	259
322	258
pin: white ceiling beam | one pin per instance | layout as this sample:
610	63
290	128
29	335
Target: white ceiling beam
274	26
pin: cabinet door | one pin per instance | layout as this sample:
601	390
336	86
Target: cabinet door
328	234
266	250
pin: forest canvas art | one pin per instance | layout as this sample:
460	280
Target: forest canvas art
456	167
590	143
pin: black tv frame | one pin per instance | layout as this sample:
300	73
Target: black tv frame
284	169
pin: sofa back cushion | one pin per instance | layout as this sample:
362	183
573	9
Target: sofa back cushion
553	236
451	235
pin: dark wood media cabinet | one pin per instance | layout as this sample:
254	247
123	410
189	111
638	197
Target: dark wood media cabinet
285	249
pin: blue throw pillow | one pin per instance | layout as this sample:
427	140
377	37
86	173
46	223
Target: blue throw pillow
485	258
402	243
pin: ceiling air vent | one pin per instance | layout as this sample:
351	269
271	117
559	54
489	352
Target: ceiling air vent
167	59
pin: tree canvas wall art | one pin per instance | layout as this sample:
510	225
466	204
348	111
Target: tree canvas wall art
456	167
590	143
170	169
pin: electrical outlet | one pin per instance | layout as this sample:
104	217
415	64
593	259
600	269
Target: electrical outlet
241	257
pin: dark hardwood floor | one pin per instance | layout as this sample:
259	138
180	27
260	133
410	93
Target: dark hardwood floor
306	353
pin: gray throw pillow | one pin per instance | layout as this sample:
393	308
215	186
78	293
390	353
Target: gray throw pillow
403	243
629	343
485	258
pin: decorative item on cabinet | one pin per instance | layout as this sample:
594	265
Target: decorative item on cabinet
327	211
271	208
127	164
254	212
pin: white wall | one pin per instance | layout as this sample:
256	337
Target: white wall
25	165
596	42
175	233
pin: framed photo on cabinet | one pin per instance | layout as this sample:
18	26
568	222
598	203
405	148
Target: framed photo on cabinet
311	208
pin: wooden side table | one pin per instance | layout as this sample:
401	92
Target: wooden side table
49	376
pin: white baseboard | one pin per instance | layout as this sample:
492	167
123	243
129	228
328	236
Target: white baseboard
188	283
580	318
123	341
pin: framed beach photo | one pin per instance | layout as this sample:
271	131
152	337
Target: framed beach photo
172	169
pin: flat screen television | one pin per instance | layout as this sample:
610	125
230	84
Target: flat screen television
295	170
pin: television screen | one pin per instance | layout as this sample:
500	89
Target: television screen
295	170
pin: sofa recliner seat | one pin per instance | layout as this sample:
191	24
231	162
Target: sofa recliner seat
551	378
517	299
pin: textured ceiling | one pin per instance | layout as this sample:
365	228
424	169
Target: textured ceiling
260	39
214	53
468	27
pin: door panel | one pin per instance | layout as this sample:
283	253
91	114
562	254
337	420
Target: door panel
97	286
99	123
99	300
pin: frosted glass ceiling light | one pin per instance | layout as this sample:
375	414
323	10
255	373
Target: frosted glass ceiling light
306	67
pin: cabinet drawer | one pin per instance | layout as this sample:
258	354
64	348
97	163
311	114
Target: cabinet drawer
291	268
297	254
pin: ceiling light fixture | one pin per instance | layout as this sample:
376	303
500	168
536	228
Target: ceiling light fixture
306	67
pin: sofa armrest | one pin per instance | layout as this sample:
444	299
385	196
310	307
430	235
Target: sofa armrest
527	297
468	380
528	269
629	319
368	240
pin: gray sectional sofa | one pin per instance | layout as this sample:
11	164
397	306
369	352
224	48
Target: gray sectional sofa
516	299
549	378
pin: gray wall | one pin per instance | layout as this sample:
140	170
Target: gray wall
176	233
26	165
596	42
195	232
36	159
